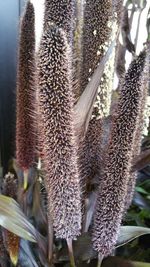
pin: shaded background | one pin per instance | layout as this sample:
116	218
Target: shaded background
9	22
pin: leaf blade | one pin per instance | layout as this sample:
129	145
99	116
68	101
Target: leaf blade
13	219
129	233
84	107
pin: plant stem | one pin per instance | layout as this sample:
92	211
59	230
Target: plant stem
25	177
70	250
50	240
100	259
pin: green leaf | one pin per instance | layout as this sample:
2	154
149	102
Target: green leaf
140	201
26	256
144	214
141	190
129	233
14	220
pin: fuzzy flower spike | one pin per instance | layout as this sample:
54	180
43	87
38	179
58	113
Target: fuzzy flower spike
96	32
61	13
56	111
113	189
25	126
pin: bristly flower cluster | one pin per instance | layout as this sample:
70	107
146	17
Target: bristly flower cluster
60	155
90	154
62	14
113	189
77	165
96	32
25	126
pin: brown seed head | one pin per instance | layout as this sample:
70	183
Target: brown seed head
12	245
113	189
62	14
60	156
90	152
95	33
25	128
9	186
138	135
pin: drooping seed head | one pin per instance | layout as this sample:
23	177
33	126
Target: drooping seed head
59	145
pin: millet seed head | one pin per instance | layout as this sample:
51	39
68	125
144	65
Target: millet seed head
60	148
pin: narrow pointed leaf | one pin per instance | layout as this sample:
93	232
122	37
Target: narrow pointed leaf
38	209
13	219
84	107
26	258
90	210
141	190
129	233
126	32
141	161
140	201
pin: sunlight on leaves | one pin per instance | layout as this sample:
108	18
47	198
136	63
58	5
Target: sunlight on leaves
13	219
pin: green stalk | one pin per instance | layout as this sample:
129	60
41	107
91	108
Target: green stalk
100	259
70	251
